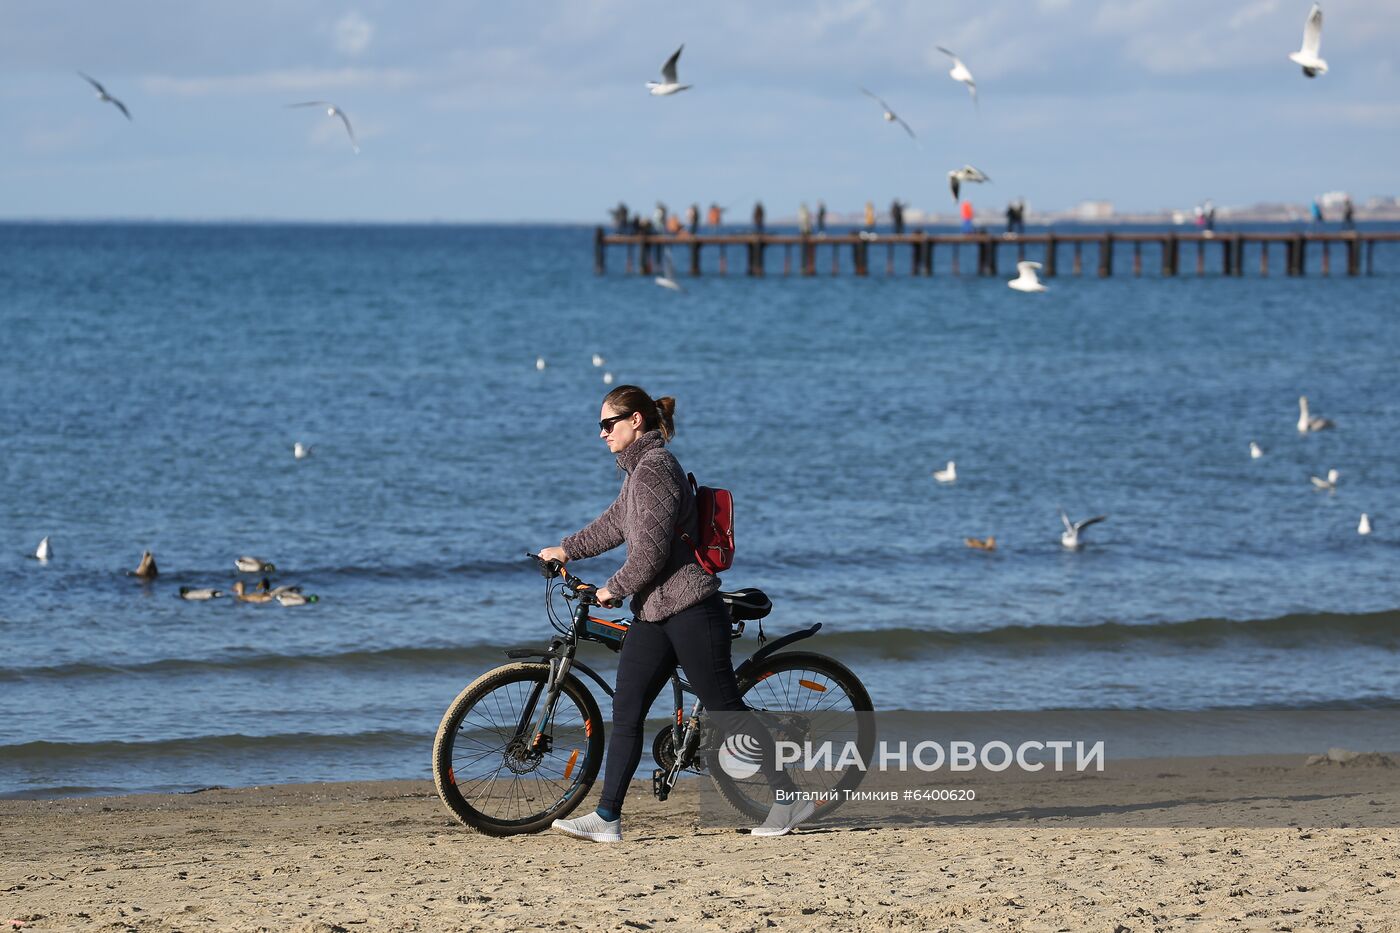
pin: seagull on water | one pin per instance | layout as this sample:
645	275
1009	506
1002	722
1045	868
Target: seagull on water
44	551
607	379
103	96
959	72
539	364
1027	280
333	111
890	115
1255	451
965	174
1313	65
667	278
669	83
1070	538
1364	526
1330	483
947	475
1308	422
301	451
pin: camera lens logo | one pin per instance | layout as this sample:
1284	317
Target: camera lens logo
739	756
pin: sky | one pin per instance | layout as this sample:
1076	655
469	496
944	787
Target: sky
537	111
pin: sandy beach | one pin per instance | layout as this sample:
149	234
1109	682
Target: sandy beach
387	856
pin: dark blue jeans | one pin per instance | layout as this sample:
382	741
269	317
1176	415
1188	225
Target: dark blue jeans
698	640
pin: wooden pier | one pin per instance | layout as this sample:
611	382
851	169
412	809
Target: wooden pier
915	251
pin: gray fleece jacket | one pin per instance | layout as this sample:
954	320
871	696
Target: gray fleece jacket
660	572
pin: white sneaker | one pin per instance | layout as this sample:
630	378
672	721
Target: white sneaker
784	817
591	827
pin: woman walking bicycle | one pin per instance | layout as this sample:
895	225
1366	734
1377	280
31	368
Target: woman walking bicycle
680	618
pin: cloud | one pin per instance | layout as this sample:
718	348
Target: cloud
352	33
1256	10
298	81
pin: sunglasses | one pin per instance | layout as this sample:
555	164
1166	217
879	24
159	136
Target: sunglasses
607	424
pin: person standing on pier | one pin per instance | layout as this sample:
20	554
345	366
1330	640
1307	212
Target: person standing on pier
692	219
897	216
1020	215
804	220
1348	214
1010	219
966	211
1317	213
758	217
869	216
821	218
658	217
619	216
716	215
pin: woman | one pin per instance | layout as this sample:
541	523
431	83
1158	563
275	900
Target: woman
679	616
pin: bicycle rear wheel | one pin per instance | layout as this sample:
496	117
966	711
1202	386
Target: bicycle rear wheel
489	770
828	703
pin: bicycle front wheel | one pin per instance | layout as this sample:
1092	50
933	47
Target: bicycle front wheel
491	770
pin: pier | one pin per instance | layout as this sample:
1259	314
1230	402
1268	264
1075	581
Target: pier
1194	252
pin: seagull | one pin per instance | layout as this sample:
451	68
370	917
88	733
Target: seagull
948	475
254	565
333	111
959	72
102	94
668	84
981	544
539	364
1364	527
1255	451
1027	280
147	569
295	599
890	115
966	173
1330	483
667	278
44	552
607	379
189	592
1070	538
1312	41
598	359
1308	423
301	451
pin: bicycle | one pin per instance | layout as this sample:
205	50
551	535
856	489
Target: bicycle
522	744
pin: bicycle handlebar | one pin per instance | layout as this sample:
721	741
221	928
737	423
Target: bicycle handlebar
585	591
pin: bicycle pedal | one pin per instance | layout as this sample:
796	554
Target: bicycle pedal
659	787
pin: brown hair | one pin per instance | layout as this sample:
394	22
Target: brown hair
658	414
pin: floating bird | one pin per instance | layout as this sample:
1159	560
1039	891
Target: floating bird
890	115
1330	483
301	451
539	364
44	551
598	359
1027	280
189	592
295	599
981	544
1255	451
668	84
959	72
1364	526
1070	538
103	96
1308	423
948	474
147	569
667	278
607	379
333	111
255	597
965	174
254	565
265	586
1307	56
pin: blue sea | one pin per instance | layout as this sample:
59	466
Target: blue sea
154	377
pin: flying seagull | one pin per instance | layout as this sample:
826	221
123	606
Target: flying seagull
890	115
966	173
44	551
959	72
1308	422
301	451
333	111
1027	280
1330	483
1070	538
667	278
668	84
1307	56
102	95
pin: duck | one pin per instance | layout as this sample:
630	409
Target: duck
296	599
988	543
301	451
1255	451
147	569
190	592
265	586
254	565
1330	483
1364	526
255	597
1308	423
44	551
1070	538
949	474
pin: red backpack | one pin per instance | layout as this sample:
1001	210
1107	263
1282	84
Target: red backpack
714	519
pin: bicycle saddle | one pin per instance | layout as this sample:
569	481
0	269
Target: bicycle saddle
748	603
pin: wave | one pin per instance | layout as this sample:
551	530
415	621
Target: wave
299	744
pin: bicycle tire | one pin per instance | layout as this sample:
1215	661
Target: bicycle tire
486	804
752	796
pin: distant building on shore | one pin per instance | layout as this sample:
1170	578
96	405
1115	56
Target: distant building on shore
1093	210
